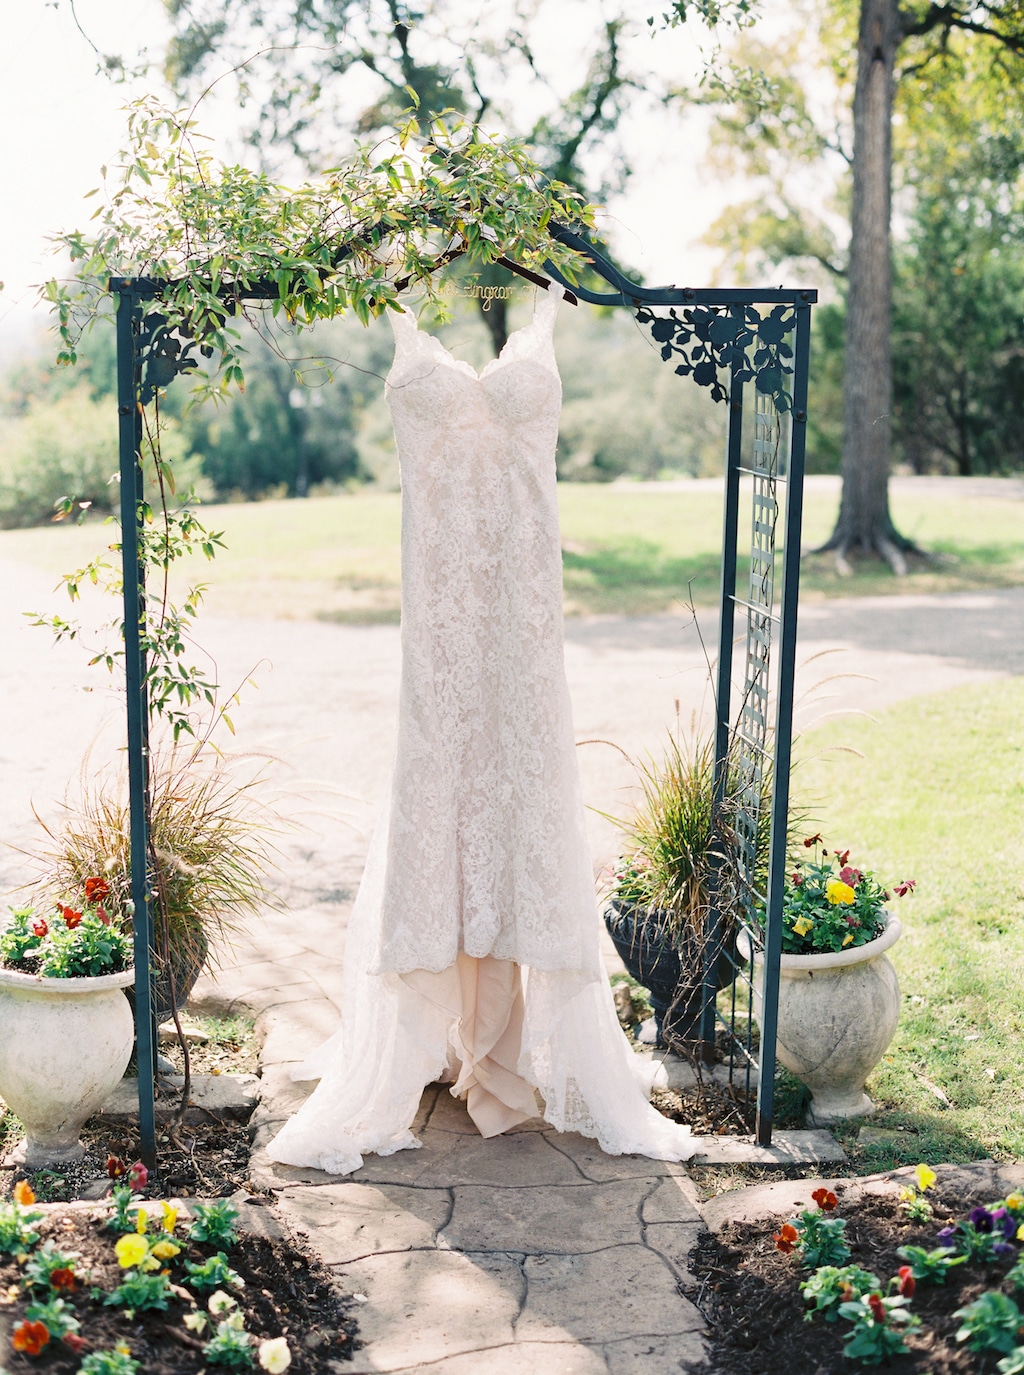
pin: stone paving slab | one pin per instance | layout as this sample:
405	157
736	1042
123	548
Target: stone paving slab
353	1221
788	1148
544	1218
225	1097
620	1291
425	1305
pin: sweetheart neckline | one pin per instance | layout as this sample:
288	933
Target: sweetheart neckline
492	363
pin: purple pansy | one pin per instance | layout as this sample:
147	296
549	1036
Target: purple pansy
1004	1222
981	1218
947	1237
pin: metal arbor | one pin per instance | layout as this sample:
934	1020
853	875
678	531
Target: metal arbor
723	340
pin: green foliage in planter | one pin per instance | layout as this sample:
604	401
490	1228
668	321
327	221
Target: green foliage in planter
17	938
68	944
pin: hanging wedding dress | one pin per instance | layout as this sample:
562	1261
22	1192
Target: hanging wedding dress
473	946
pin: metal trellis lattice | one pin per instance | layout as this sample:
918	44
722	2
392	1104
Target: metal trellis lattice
711	335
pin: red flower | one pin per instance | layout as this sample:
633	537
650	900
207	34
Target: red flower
877	1307
812	840
907	1283
39	928
101	912
30	1337
850	875
797	878
825	1199
907	886
786	1238
73	1341
138	1175
71	917
843	858
115	1166
64	1278
96	889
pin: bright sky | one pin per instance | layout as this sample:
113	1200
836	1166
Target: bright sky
63	120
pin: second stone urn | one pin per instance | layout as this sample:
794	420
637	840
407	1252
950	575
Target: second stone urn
837	1015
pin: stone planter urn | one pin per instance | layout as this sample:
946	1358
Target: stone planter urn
64	1045
667	965
837	1014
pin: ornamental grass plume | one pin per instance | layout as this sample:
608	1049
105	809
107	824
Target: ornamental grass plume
210	847
680	844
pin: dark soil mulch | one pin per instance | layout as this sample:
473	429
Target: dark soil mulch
287	1293
206	1161
710	1109
749	1292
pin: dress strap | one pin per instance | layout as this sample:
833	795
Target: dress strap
546	308
403	325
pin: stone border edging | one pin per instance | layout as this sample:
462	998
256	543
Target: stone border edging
786	1196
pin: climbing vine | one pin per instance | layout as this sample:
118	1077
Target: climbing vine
210	237
204	244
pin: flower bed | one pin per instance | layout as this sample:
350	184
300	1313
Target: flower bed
126	1287
929	1281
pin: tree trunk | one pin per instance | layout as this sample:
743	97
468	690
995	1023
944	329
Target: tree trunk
864	521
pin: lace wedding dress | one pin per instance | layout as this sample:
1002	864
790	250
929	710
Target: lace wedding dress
473	946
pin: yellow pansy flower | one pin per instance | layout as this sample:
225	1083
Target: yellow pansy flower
170	1217
925	1177
130	1250
140	1221
1015	1201
848	938
1020	1232
839	894
165	1250
802	925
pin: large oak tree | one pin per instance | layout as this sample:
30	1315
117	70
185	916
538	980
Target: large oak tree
894	38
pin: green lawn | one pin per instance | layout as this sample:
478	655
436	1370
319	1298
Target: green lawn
626	551
937	794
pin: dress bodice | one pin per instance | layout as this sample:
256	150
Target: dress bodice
485	774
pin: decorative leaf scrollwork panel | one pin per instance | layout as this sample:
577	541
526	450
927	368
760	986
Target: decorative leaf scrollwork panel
160	356
713	340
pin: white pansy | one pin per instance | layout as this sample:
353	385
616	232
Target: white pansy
274	1355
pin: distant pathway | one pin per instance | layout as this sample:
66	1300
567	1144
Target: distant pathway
531	1254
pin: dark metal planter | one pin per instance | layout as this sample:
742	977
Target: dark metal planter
669	965
186	966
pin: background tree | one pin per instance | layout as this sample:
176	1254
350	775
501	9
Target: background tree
919	54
